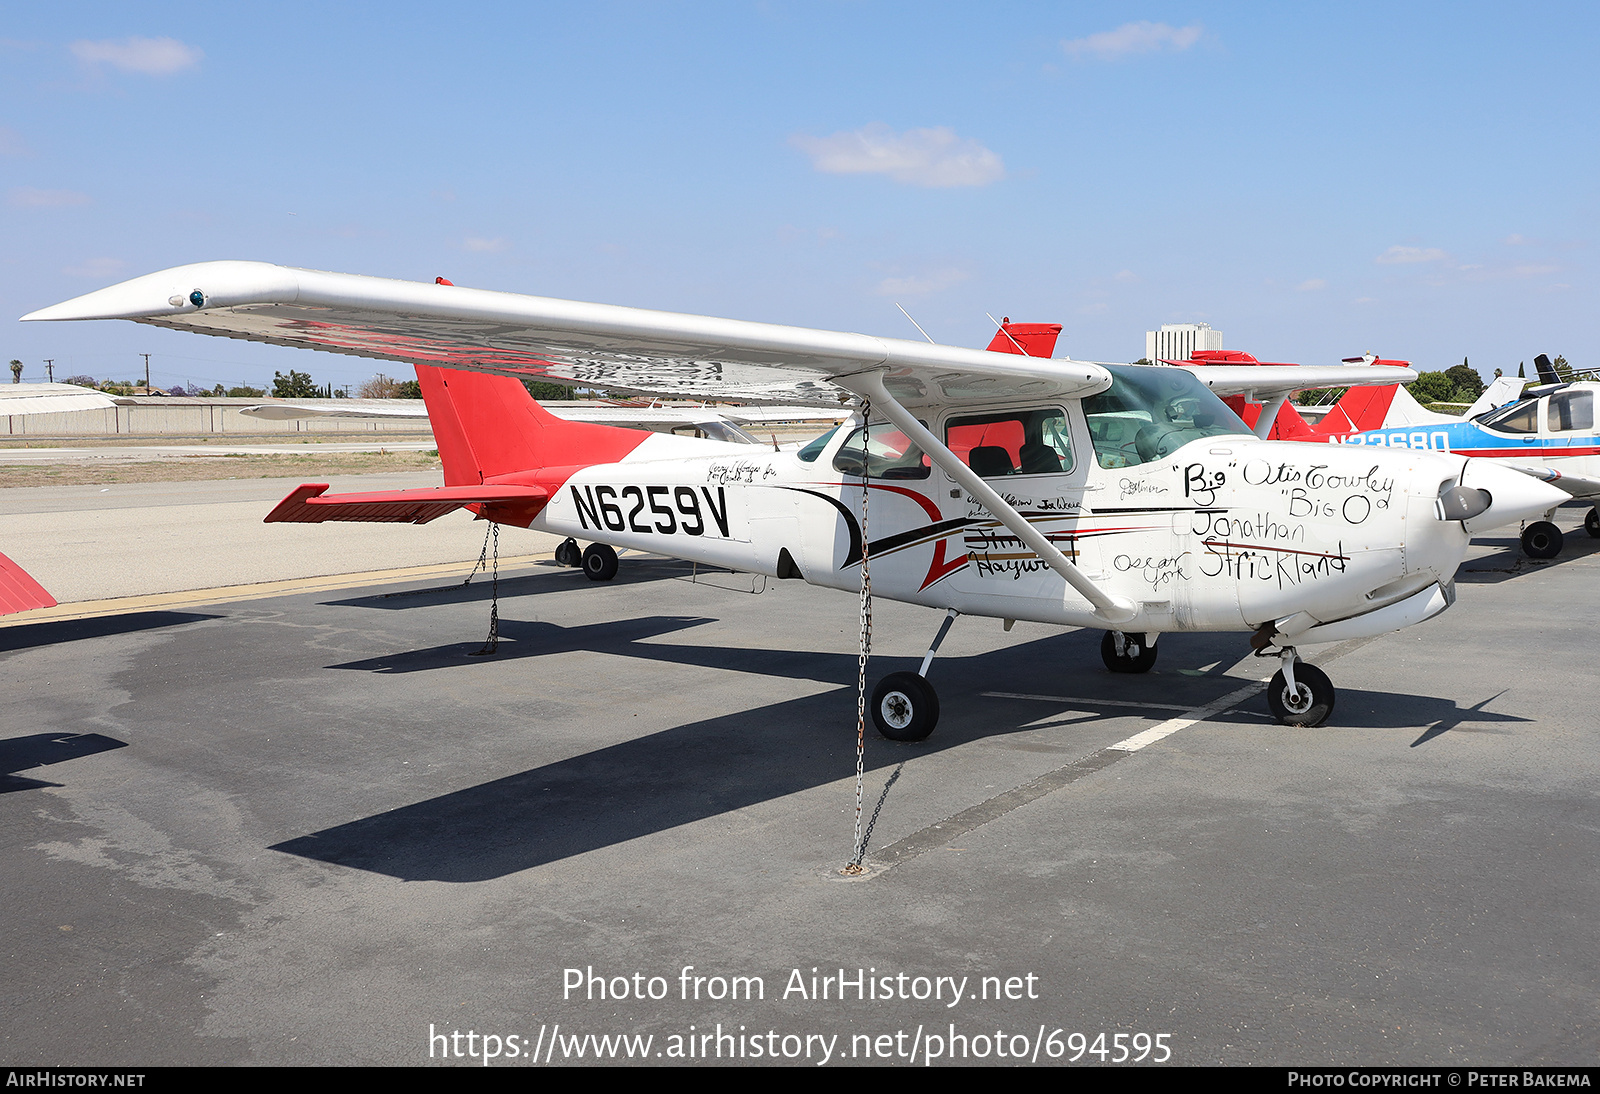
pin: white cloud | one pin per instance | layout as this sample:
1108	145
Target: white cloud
26	197
148	56
477	243
1516	239
96	267
1402	256
1131	38
921	284
1311	285
921	157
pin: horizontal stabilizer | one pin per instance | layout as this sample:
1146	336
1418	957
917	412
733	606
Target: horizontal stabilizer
306	505
18	591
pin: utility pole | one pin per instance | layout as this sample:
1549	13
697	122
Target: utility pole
49	369
146	357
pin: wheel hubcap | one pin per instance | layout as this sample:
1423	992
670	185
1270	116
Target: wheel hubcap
1297	701
897	710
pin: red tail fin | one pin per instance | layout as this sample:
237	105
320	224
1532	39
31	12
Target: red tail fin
1028	339
1358	410
488	427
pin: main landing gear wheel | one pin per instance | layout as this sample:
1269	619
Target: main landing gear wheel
1311	702
568	553
1137	655
1542	539
599	562
1591	523
904	707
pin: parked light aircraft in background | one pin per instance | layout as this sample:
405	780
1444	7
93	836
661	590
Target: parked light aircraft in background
1124	498
19	592
1547	433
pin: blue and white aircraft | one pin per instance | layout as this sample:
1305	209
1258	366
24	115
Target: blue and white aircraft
1548	433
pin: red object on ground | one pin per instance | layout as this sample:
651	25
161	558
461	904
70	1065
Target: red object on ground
18	591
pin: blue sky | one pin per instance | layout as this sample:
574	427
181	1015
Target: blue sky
1415	180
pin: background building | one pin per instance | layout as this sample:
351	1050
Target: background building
1175	341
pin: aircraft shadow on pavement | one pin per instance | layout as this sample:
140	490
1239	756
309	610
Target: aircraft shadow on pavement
520	638
43	749
717	766
548	578
29	635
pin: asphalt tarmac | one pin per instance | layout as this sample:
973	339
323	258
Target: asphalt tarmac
318	828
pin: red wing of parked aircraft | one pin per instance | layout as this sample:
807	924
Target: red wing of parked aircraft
1004	484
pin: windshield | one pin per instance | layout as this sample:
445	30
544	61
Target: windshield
1149	413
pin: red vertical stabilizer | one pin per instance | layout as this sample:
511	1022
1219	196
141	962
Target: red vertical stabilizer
1358	410
1028	339
489	427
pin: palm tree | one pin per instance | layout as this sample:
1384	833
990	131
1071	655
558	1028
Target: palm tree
16	371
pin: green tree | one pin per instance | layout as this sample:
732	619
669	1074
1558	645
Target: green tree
245	393
1466	381
296	385
16	371
548	392
1433	387
1562	367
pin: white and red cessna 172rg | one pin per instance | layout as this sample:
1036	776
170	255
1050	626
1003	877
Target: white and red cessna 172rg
1124	498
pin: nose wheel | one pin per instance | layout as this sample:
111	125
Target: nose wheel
1542	539
1300	694
1591	524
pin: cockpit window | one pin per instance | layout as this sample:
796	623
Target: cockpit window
1517	418
811	451
1149	413
1571	411
883	452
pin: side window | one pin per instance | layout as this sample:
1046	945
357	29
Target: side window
1519	418
882	452
1571	411
1016	442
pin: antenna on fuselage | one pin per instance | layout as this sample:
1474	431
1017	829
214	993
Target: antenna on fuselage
916	324
1002	326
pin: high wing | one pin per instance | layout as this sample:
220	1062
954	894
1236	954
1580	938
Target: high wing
591	345
1262	383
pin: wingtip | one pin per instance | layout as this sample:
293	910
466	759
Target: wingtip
170	292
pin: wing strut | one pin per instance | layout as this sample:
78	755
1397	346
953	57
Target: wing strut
1112	609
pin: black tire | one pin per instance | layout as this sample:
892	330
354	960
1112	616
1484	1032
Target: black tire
1141	655
1591	523
1541	539
1313	703
904	707
599	562
568	554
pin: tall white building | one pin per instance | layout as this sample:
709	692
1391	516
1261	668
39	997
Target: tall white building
1176	341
